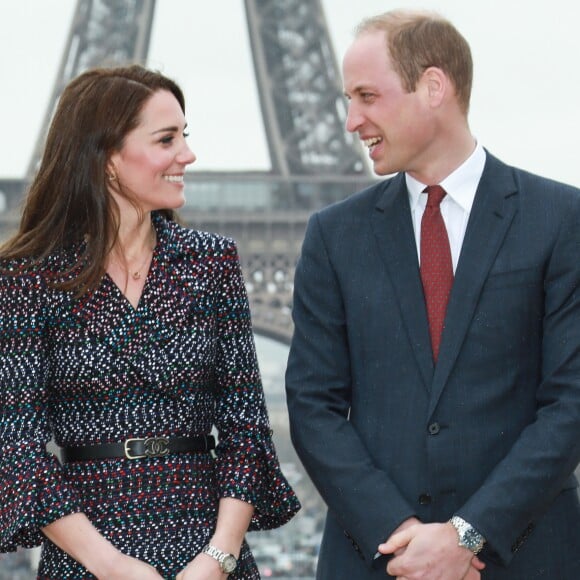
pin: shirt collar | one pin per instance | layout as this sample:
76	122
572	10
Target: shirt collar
460	185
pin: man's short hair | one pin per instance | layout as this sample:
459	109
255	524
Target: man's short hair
416	41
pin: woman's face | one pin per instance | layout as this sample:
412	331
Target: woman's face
151	164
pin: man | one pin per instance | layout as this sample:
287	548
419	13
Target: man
434	376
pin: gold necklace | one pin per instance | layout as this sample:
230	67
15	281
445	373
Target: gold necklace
136	274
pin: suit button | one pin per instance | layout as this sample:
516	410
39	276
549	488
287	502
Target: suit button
434	428
425	499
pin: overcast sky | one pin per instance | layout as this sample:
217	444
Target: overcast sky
525	105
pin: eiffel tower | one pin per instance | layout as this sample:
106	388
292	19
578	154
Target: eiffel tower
314	162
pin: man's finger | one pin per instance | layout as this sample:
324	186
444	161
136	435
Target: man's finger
395	542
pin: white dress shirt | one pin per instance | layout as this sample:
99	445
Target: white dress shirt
460	186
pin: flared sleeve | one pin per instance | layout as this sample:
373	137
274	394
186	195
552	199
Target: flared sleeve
33	490
247	464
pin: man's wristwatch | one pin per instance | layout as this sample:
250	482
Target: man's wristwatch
226	561
468	536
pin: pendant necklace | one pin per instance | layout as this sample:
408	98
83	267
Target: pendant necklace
136	274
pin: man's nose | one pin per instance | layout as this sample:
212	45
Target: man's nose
353	118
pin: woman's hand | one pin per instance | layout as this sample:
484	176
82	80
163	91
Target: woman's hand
125	567
77	536
233	520
202	567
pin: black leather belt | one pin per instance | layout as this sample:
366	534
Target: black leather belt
140	448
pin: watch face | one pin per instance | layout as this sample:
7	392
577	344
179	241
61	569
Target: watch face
472	539
229	564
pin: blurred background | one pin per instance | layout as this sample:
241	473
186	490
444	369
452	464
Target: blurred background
266	120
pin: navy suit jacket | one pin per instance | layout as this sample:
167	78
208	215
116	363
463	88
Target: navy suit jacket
492	432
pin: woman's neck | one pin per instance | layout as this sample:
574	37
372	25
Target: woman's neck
135	238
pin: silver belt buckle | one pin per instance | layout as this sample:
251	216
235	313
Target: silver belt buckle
154	447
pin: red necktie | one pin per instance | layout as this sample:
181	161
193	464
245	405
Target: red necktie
436	265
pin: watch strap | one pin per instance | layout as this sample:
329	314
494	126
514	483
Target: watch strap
226	561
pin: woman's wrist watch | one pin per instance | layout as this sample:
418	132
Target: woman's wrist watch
226	561
468	536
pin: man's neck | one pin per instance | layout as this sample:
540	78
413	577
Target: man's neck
446	157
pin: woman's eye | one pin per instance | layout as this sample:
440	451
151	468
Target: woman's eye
185	134
167	139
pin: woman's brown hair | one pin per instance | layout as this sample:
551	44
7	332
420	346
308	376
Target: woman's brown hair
69	199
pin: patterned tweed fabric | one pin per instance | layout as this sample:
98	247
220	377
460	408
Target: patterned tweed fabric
96	370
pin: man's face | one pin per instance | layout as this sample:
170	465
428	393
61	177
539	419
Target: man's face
395	125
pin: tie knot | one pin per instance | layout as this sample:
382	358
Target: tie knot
435	194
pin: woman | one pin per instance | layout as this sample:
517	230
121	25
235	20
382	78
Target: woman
126	338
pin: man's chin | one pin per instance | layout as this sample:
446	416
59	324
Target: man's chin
382	170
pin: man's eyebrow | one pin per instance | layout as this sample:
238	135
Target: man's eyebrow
357	90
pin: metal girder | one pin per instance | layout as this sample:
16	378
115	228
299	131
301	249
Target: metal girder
303	107
103	33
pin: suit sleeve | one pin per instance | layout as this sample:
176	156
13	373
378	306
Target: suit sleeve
537	468
362	498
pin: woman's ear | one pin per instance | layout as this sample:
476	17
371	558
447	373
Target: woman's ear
111	172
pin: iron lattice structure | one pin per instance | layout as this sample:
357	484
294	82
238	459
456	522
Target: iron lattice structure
300	92
314	162
103	32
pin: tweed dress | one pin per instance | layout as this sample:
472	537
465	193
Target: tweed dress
96	370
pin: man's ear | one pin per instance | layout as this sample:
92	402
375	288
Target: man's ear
436	84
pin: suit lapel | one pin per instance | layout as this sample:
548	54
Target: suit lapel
494	208
393	230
